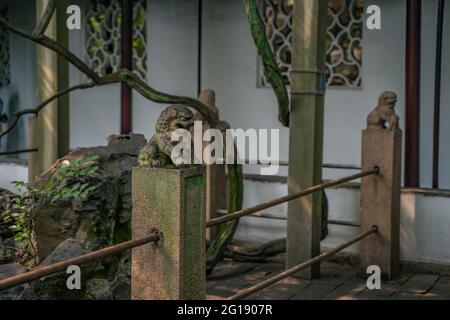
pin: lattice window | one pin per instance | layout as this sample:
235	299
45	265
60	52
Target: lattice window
103	36
344	37
4	49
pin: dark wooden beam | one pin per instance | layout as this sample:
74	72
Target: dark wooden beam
200	45
412	93
437	94
126	63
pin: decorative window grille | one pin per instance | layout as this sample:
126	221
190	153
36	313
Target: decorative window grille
103	47
344	37
4	49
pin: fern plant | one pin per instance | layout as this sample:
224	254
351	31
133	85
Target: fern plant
71	180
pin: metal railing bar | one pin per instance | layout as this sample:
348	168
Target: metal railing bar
344	223
341	166
274	217
264	284
41	272
275	202
12	152
284	163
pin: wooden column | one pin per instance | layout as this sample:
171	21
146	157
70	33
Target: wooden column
52	126
306	132
172	202
437	94
412	93
126	93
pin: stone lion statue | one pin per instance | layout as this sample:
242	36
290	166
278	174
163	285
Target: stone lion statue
384	112
157	152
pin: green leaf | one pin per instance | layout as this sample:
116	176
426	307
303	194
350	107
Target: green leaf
76	186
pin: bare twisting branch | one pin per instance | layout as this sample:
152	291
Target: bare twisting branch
43	104
150	93
126	76
10	128
40	106
45	20
51	44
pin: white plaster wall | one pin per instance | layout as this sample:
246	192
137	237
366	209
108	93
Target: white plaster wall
230	67
425	222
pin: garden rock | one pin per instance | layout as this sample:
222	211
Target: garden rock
101	220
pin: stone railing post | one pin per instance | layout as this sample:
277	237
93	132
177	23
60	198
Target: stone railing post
172	202
380	194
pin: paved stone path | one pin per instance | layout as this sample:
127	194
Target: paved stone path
339	281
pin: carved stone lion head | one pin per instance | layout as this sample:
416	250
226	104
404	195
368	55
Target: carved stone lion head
388	98
175	117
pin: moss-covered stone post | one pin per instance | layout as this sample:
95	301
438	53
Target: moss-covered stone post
171	201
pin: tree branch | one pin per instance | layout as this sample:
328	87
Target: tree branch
54	46
45	20
126	76
154	95
271	68
43	104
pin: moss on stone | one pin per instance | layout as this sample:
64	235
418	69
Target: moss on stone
122	232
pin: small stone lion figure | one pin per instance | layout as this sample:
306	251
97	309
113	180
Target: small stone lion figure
157	152
384	112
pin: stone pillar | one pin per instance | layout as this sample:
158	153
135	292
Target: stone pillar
380	196
306	133
172	202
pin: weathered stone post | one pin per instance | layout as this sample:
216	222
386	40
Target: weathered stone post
306	133
380	194
172	202
215	173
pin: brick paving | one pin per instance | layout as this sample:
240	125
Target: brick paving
338	281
